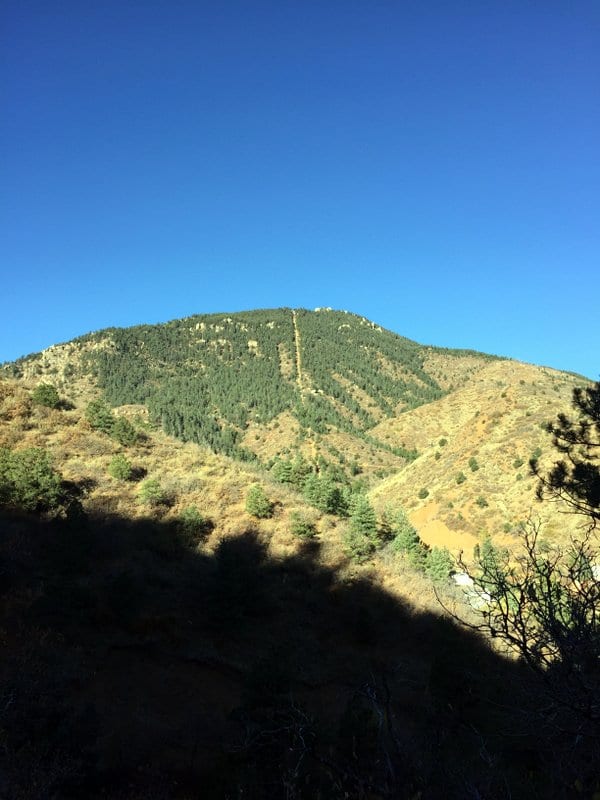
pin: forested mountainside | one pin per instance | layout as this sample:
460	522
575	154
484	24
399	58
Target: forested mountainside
207	377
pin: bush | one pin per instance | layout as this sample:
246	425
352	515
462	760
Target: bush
443	442
482	502
28	480
301	525
120	468
473	465
356	545
257	502
423	493
100	417
461	477
194	525
439	565
45	394
408	542
152	494
124	432
518	462
535	455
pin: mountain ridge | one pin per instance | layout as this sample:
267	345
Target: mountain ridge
352	398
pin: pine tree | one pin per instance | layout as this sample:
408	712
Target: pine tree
257	502
576	478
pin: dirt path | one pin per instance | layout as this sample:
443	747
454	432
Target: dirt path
299	380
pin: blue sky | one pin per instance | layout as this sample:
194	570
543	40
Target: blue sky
433	166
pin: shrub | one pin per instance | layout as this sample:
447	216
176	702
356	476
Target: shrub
439	565
473	465
363	520
301	525
152	493
535	456
257	502
482	502
45	394
282	471
461	477
408	542
194	525
443	442
423	493
100	417
518	462
124	432
28	480
357	546
120	468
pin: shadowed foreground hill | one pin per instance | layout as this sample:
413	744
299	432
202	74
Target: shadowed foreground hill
136	665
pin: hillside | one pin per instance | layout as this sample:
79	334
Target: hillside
445	433
232	381
472	475
156	643
161	633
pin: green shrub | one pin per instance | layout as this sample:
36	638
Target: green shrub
482	502
124	432
518	462
301	525
443	442
473	465
120	468
356	545
363	520
408	542
45	394
257	502
423	493
282	471
152	493
535	455
100	417
28	480
461	477
439	564
194	525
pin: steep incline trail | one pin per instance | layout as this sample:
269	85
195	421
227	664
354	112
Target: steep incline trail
298	358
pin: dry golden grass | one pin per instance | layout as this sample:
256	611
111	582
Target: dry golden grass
497	419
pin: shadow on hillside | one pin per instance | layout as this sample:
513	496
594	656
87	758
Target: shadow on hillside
138	666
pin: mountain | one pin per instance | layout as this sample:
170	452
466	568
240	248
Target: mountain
446	433
222	379
161	633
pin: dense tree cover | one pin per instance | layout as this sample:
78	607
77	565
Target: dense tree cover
204	378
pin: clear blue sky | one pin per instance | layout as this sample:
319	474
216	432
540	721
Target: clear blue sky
434	166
